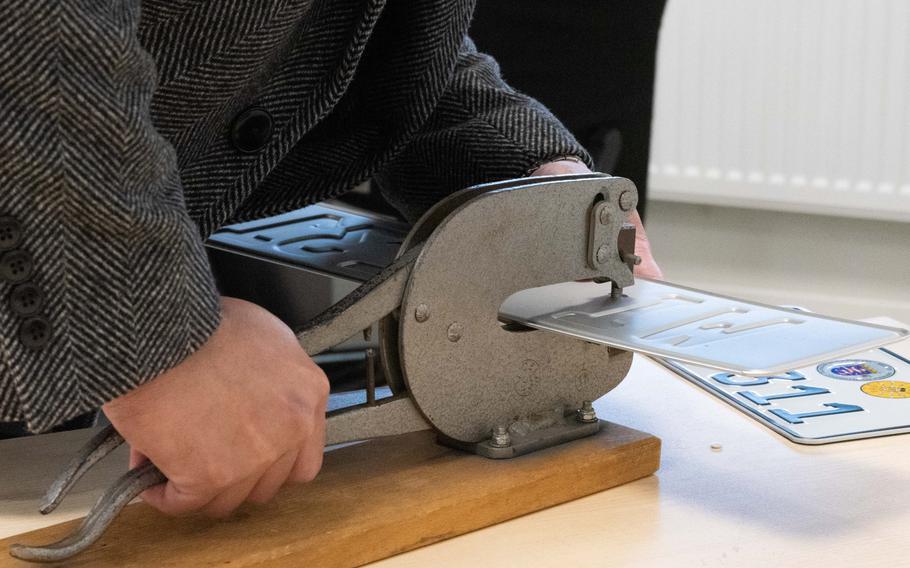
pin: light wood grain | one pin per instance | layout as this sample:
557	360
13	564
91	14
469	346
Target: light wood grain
371	501
761	501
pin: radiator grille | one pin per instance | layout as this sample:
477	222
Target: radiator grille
801	106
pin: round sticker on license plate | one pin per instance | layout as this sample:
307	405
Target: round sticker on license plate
887	389
856	370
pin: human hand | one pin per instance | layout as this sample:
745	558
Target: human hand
648	267
231	423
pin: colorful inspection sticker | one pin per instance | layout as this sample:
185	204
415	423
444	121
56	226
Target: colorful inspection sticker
887	389
856	370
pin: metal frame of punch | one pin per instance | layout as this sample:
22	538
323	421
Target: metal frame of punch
493	388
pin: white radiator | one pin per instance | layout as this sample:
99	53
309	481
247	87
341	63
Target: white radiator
787	105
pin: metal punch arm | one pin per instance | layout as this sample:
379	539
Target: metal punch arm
371	301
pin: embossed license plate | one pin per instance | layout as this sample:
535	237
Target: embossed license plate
815	379
694	326
861	396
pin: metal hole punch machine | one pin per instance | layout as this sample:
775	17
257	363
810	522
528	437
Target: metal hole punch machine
498	318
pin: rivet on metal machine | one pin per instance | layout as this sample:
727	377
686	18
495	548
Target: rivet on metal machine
455	331
627	200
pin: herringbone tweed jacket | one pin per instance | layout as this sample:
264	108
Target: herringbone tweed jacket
127	139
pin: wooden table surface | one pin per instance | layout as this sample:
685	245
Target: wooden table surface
761	500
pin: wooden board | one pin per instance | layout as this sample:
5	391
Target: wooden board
371	501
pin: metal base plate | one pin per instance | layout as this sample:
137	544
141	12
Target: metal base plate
524	441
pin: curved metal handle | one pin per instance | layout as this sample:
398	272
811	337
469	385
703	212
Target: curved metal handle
367	304
118	496
101	444
373	300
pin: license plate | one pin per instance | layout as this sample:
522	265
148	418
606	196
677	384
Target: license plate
864	395
694	326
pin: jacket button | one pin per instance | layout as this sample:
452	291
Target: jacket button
16	266
10	233
35	332
26	299
251	130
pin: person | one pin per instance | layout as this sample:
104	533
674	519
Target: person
130	135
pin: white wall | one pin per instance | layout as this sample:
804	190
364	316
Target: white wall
785	105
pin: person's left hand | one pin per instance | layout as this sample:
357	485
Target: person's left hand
648	267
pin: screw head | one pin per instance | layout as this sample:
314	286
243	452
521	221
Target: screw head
633	259
422	313
604	215
454	332
626	200
602	254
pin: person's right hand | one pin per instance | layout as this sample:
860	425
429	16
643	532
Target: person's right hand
231	423
648	266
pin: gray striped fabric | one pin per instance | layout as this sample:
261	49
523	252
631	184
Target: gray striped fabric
116	157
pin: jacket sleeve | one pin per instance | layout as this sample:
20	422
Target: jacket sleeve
482	130
105	283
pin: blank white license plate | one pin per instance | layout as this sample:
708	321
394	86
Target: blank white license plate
861	396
